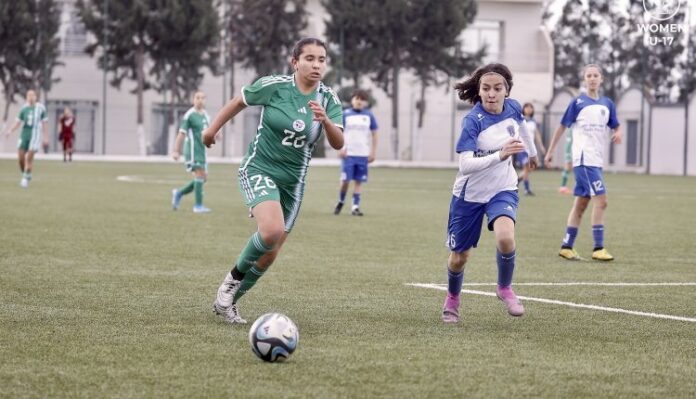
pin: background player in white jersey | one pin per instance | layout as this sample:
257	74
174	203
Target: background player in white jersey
296	109
590	116
194	122
32	117
486	183
360	136
522	159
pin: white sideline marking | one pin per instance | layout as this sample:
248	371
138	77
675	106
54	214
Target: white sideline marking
571	304
139	179
585	284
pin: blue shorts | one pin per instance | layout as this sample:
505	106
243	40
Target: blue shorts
466	218
354	168
521	159
588	181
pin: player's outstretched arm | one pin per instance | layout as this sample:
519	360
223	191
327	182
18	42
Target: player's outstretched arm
232	108
13	128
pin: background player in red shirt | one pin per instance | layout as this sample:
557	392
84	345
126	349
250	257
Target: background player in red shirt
66	134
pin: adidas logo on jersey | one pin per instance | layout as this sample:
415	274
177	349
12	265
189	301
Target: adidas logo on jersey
578	101
480	116
302	110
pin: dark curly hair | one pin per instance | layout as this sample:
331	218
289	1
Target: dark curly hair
469	88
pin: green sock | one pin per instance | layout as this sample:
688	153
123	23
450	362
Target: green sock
187	188
198	188
254	249
27	175
250	278
564	178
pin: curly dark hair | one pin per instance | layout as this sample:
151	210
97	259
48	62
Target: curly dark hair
469	88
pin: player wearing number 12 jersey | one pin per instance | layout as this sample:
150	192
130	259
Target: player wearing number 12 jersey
296	109
591	116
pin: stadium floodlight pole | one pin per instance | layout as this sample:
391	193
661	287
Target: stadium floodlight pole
106	55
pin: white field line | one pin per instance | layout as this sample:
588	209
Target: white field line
570	304
591	284
138	179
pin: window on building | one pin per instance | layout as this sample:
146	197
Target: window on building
484	33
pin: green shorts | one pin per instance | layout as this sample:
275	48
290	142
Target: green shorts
258	186
29	142
193	166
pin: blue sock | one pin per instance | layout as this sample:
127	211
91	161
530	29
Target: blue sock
598	234
454	282
506	266
342	196
526	185
569	239
356	200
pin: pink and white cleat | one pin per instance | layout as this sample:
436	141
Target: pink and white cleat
513	305
564	190
450	310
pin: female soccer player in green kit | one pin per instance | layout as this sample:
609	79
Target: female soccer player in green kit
193	123
295	110
32	117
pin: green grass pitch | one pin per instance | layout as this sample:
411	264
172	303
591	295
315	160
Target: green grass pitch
106	292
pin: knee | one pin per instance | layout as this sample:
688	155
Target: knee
271	235
602	203
457	260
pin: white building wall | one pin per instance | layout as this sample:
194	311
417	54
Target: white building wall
667	143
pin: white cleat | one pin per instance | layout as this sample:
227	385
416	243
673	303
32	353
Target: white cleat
225	294
233	315
24	183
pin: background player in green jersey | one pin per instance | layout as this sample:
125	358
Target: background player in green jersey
568	165
296	109
32	117
194	122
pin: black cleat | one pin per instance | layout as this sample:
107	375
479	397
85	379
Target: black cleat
338	208
356	212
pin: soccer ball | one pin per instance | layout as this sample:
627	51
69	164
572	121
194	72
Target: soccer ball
273	337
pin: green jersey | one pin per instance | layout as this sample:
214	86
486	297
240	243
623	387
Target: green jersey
31	118
192	125
286	133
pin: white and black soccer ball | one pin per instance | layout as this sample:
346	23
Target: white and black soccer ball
273	337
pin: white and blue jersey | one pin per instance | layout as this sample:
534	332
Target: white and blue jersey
484	133
590	121
358	126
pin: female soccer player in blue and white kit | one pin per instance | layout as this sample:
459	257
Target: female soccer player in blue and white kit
486	182
590	116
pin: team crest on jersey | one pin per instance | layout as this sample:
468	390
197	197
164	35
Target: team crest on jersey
603	112
298	125
511	130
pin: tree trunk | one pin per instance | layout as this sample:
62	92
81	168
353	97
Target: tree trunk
140	88
395	109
